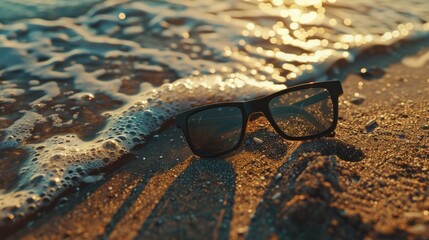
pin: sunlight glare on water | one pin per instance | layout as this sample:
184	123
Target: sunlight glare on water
81	83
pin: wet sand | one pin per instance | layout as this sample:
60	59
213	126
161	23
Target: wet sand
368	181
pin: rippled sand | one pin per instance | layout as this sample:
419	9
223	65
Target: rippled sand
79	92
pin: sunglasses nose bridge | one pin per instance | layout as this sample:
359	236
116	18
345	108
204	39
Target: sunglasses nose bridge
254	106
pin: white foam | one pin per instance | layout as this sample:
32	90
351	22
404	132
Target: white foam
416	62
8	92
89	82
21	129
92	53
51	90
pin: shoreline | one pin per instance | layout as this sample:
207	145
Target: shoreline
362	183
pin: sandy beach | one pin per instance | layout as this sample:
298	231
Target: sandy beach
369	182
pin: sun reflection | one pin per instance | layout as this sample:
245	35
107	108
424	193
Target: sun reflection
122	16
347	21
308	17
306	3
304	32
250	26
277	2
294	26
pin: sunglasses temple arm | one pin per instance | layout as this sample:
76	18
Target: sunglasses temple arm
300	111
312	100
332	134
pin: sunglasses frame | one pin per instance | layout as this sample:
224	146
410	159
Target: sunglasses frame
261	105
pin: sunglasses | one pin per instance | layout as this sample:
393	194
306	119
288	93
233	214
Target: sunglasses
298	113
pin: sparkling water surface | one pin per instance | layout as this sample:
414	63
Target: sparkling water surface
82	82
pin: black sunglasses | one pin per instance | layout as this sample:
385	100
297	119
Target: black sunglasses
298	113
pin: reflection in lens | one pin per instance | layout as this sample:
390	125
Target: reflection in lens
216	129
303	113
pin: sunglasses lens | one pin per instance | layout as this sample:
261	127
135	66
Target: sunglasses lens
215	130
303	113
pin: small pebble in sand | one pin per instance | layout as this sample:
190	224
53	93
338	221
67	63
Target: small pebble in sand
371	73
371	125
110	188
92	178
402	79
63	200
257	140
412	214
278	176
242	230
159	222
276	196
357	100
417	229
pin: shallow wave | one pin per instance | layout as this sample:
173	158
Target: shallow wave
78	93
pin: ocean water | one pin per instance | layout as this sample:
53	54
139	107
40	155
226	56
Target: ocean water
83	82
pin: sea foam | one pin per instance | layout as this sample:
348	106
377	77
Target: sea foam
81	89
